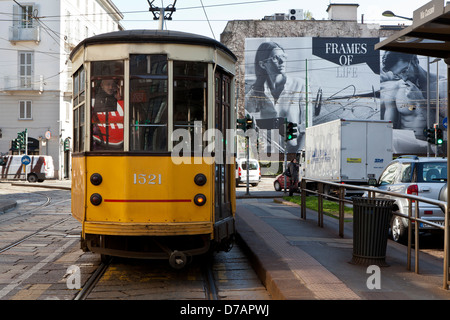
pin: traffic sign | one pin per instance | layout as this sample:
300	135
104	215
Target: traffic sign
445	122
26	160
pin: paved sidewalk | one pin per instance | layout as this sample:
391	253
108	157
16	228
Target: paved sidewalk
296	259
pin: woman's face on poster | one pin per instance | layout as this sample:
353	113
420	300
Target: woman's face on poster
275	63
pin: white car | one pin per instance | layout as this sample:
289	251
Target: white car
421	176
241	172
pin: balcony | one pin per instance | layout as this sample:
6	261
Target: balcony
33	84
18	33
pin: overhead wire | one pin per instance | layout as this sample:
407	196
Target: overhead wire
209	23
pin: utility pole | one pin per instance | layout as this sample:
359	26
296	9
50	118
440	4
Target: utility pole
160	13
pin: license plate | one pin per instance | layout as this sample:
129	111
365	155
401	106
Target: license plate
426	225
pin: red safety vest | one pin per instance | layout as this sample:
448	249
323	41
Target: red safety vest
110	125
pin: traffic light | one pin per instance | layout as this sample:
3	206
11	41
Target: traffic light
439	136
241	124
291	131
67	144
21	138
246	123
15	144
430	133
249	124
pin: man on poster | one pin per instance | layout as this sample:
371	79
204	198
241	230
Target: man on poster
404	95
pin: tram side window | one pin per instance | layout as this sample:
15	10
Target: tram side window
148	102
107	105
190	99
78	110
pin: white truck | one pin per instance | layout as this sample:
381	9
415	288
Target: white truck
39	169
346	151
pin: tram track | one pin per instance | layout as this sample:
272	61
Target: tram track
92	281
211	291
47	202
23	239
33	236
205	272
222	276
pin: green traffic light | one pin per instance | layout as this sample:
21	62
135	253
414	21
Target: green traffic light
291	131
439	136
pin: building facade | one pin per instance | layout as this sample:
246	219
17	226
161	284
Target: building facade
36	39
328	69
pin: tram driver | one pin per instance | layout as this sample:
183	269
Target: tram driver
107	115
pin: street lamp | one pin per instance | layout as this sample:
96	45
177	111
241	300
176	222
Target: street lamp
390	14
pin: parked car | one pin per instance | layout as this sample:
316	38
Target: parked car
241	172
278	184
443	193
421	176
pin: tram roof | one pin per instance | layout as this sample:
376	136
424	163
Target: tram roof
429	35
152	36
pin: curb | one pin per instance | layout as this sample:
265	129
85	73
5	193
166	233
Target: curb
6	205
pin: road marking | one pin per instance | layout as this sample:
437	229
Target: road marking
32	293
34	269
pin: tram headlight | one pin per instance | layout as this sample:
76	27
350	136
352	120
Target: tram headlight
200	179
96	179
96	199
200	199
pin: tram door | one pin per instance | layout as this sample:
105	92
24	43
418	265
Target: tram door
223	172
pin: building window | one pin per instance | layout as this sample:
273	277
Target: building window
26	19
25	110
25	68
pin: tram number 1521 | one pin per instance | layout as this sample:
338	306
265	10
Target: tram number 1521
142	178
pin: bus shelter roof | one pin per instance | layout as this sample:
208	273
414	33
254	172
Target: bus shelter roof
429	35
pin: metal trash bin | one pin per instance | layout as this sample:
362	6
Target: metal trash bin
371	219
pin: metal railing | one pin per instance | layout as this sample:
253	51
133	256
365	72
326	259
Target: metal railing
341	190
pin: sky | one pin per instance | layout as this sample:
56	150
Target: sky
211	18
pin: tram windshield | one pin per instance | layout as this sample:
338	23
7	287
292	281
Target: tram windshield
107	105
148	102
190	99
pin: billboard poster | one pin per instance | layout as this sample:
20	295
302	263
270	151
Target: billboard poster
311	80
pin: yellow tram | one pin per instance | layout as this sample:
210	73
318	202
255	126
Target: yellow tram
143	185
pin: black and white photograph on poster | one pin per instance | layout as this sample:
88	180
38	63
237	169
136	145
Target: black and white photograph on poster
405	100
344	78
276	85
316	80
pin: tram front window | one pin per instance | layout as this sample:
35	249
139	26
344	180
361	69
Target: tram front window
107	105
148	102
190	99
